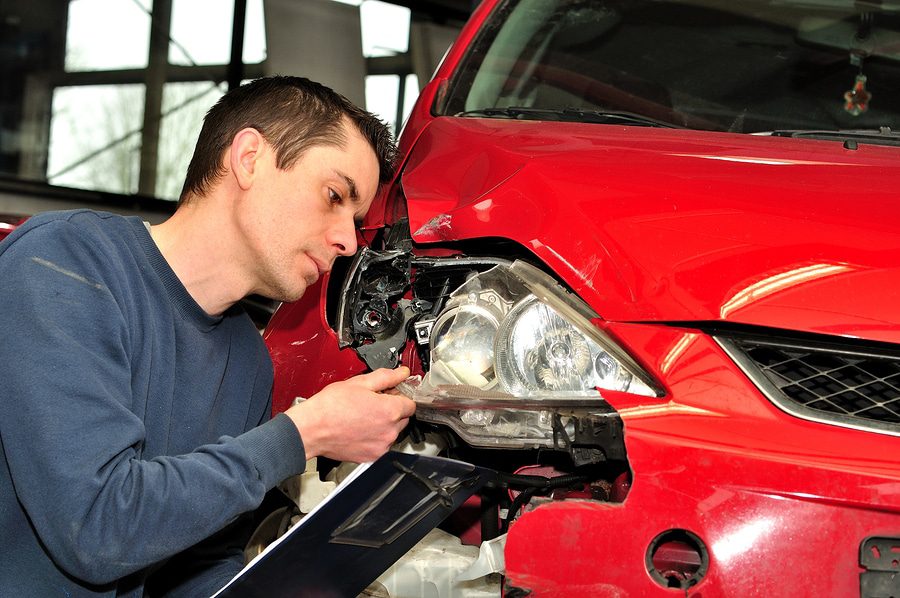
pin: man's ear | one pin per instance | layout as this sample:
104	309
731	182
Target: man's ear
243	158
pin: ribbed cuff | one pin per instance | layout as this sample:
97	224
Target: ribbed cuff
276	450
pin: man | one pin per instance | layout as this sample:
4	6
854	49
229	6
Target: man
134	411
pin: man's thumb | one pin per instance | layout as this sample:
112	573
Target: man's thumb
384	378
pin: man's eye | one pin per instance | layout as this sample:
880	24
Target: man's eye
333	196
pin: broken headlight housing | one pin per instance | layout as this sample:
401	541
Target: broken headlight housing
516	362
510	358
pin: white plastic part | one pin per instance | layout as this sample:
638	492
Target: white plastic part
432	446
432	569
339	473
490	560
306	489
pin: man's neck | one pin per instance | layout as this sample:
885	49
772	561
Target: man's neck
196	242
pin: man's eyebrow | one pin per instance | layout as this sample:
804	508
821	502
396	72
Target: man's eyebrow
351	185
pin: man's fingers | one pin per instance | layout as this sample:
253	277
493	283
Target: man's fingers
383	378
407	405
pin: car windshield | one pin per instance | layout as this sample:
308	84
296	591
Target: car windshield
741	66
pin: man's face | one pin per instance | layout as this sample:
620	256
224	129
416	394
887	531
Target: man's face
302	218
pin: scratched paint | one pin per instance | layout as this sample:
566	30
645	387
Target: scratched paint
303	342
436	226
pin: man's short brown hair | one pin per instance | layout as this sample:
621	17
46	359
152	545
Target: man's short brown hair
293	114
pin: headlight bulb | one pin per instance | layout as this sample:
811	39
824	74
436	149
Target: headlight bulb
563	359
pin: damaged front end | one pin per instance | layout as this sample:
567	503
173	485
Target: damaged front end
508	358
508	373
509	370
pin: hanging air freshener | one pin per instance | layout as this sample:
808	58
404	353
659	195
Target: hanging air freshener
857	99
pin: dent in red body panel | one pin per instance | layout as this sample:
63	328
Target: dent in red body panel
677	225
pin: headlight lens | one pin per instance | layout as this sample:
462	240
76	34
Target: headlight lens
510	350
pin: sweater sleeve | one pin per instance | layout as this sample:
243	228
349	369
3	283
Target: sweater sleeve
72	443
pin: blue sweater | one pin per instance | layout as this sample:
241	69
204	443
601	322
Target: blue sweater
133	425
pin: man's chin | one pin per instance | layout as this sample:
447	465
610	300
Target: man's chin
289	294
292	289
293	296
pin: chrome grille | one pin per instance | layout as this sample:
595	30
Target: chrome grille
856	388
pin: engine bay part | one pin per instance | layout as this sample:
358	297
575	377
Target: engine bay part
443	567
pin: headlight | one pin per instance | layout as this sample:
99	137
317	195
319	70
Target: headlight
514	357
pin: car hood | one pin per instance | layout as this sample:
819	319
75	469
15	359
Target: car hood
673	225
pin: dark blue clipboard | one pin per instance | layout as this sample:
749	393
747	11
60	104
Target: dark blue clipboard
362	529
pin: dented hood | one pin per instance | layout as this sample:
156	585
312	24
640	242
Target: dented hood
674	225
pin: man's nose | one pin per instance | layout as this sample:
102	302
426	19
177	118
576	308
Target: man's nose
344	238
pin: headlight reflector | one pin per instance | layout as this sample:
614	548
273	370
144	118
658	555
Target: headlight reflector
537	350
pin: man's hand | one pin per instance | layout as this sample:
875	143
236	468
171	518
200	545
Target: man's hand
354	420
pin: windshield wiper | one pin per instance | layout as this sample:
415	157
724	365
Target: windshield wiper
881	136
606	117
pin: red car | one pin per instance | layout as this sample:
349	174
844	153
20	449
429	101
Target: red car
643	258
9	222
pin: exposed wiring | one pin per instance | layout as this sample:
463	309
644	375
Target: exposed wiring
532	485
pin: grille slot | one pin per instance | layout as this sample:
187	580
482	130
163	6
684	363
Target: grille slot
844	387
